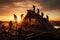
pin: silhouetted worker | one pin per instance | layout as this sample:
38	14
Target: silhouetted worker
22	15
38	11
15	17
33	8
47	17
29	15
3	27
10	25
44	20
42	14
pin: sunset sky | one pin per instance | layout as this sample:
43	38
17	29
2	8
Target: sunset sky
18	7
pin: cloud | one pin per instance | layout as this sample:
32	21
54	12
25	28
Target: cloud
46	4
8	1
7	5
49	4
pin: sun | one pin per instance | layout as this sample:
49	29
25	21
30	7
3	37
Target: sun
18	18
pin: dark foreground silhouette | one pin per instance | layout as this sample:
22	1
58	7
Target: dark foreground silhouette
33	27
44	37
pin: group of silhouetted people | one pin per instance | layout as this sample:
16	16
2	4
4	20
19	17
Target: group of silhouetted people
31	14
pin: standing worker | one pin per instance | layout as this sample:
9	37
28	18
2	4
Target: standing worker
10	25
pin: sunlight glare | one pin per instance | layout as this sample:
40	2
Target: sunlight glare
18	18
